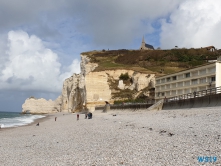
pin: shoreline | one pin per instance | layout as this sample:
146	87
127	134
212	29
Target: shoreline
47	116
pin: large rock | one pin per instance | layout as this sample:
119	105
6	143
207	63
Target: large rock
41	106
121	85
73	93
141	81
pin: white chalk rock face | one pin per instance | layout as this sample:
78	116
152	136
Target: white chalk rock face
141	81
73	93
97	89
121	85
41	106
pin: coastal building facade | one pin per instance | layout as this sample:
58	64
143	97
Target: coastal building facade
188	81
145	46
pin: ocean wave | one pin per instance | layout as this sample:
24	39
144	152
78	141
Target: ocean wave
19	121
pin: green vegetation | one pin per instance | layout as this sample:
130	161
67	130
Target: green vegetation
159	62
124	76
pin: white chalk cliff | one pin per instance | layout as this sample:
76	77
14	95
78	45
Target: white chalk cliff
88	89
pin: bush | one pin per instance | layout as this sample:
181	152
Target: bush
124	76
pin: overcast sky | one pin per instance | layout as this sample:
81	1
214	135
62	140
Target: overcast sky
41	41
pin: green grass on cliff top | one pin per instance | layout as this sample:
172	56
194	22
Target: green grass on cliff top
160	62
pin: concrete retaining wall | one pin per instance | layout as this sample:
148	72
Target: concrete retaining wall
205	101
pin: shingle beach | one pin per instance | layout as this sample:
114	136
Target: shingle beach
146	138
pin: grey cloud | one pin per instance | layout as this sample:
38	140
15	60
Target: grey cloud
105	22
20	81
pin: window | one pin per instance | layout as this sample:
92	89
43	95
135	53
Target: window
168	79
187	83
187	90
162	93
168	93
173	85
213	78
180	84
180	76
173	92
203	71
174	77
203	80
212	70
180	92
194	73
194	81
187	75
168	86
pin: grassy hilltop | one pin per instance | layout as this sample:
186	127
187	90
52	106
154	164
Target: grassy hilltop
159	62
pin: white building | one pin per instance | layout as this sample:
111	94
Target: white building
187	81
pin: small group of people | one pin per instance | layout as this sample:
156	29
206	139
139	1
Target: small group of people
87	115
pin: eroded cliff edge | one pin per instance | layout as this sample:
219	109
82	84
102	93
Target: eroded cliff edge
84	91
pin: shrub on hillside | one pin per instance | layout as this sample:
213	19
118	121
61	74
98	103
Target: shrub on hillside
124	76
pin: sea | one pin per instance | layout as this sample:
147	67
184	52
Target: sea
15	119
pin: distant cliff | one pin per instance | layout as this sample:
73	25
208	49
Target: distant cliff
41	106
90	88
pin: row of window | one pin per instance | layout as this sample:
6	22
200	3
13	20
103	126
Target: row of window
178	92
188	83
186	75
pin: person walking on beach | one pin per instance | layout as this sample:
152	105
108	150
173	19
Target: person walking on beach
77	116
85	115
55	118
106	107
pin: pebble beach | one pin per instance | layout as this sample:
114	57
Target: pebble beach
118	137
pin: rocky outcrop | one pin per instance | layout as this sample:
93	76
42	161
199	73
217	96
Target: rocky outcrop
73	93
41	106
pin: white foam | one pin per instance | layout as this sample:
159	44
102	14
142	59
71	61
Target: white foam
19	121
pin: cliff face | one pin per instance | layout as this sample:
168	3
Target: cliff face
82	92
73	93
88	89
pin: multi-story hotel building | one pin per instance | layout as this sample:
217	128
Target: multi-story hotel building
187	81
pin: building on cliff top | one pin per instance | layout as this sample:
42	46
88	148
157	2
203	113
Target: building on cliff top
210	48
145	46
